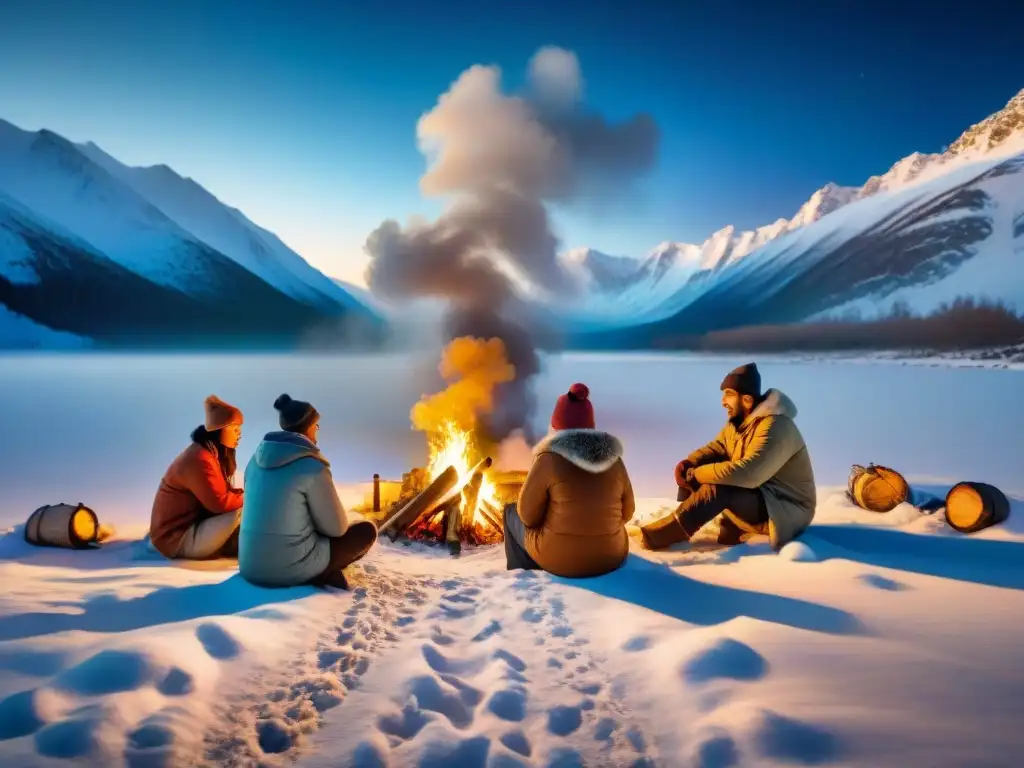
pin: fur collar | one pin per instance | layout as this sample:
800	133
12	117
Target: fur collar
775	403
589	449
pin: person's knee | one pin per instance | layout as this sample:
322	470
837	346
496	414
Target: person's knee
510	513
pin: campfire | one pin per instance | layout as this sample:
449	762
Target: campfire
459	497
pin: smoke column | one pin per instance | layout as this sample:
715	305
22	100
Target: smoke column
501	160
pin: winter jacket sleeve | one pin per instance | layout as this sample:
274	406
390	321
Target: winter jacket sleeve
533	498
326	509
713	451
774	442
628	502
207	482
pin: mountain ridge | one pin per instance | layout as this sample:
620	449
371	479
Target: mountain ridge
1002	129
71	212
674	274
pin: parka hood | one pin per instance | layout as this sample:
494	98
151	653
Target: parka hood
589	449
279	449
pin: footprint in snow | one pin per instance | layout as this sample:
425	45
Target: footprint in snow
281	717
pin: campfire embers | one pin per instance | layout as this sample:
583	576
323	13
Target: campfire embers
453	508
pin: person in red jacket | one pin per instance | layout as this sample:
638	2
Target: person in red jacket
197	511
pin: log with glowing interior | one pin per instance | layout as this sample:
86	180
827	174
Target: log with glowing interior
433	523
456	490
488	513
466	508
426	499
471	493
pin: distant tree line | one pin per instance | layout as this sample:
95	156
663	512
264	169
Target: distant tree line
965	323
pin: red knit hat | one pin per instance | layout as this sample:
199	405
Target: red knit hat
573	409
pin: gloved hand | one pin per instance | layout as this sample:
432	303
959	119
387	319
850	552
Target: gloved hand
681	469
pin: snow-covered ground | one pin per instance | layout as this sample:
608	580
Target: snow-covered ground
876	640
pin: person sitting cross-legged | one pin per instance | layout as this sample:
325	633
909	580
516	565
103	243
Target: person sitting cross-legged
196	509
756	476
295	529
576	500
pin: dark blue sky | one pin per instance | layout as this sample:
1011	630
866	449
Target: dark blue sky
303	114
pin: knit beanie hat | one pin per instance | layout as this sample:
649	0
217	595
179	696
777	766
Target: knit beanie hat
220	414
573	409
295	415
745	380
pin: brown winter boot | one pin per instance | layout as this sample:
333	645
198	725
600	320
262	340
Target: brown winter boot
664	532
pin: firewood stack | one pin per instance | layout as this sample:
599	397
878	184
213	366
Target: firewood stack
447	511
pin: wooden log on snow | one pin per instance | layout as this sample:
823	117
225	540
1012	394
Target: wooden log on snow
408	513
876	488
453	521
973	506
72	526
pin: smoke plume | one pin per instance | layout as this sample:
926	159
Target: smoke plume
475	368
501	160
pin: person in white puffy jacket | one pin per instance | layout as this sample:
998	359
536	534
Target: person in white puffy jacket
295	529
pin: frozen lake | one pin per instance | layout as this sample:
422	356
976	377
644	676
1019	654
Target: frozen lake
101	429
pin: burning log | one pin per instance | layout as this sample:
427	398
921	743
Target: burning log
489	513
425	500
471	492
432	524
480	466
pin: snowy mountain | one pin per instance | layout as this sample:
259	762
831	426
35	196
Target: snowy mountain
601	272
73	217
227	230
931	228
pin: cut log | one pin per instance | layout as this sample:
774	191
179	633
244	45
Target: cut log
72	526
454	523
486	513
470	494
973	506
408	513
493	511
444	508
876	488
481	465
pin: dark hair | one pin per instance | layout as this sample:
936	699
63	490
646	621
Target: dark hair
211	441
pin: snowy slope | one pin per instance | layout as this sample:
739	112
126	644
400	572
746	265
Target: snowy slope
227	230
931	228
49	175
627	288
129	235
60	281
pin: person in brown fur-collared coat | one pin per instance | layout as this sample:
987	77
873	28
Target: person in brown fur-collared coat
755	476
197	511
576	500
